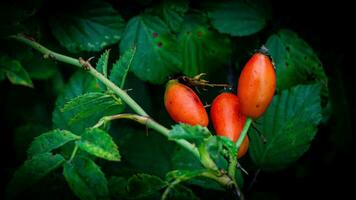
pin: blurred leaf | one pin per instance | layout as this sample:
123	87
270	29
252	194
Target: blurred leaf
157	54
50	141
139	186
79	84
180	192
86	179
239	17
121	67
118	187
182	175
202	49
142	185
172	12
32	171
99	143
13	13
90	107
38	67
184	160
14	71
91	26
102	66
193	134
144	150
24	135
289	125
295	61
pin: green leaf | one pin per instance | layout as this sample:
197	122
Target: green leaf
195	134
99	143
142	185
295	61
172	12
79	84
102	64
182	175
118	187
142	150
184	160
139	186
289	125
50	141
180	192
202	49
37	67
24	135
238	17
90	26
90	107
32	171
121	67
86	179
157	54
14	71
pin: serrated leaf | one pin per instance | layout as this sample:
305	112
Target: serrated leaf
15	72
195	134
121	67
80	83
202	49
238	17
102	64
32	171
289	125
295	61
99	143
157	54
172	12
50	141
91	26
86	179
92	105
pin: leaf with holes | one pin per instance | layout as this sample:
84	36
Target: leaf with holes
121	67
239	18
90	26
50	141
32	171
289	125
99	143
86	179
157	54
202	49
295	61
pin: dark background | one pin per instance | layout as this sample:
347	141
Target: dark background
325	171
